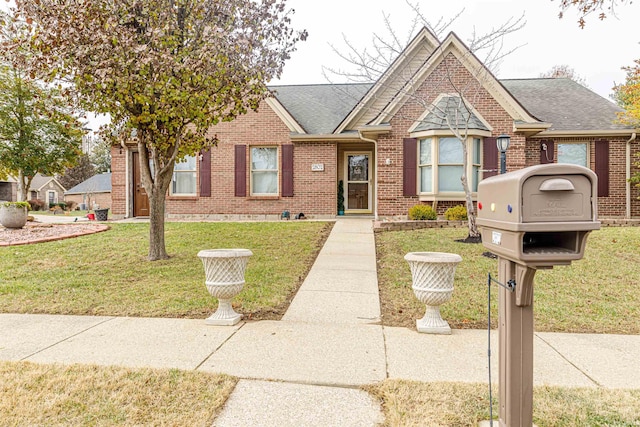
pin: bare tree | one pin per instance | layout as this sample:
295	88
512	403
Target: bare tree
565	71
456	112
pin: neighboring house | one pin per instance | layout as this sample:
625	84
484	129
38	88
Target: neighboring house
47	189
95	191
9	190
388	148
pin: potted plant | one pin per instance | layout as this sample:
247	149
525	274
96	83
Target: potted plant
340	197
14	214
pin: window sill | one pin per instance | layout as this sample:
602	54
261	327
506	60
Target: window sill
183	197
263	198
445	197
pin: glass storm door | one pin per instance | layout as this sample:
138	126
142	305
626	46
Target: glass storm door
358	194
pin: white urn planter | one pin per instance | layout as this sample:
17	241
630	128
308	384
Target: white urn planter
224	270
13	215
432	274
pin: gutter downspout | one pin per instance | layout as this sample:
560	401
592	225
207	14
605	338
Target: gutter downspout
375	173
628	175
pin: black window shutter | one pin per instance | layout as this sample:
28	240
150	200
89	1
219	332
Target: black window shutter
287	170
205	173
546	156
602	167
410	167
489	157
241	171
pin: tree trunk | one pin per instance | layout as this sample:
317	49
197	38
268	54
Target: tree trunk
21	190
471	213
157	249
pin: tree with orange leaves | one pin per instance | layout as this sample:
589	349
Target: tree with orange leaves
627	96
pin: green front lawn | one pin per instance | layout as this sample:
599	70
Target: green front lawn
108	274
597	294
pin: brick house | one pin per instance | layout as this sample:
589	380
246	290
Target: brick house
92	193
390	145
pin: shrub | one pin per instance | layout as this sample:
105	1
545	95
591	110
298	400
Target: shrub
37	204
17	204
62	205
71	205
456	213
422	212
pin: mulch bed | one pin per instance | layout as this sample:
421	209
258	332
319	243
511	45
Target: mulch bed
39	233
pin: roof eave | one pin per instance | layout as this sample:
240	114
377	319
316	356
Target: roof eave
530	129
337	137
590	132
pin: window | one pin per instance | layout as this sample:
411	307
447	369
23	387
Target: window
441	163
264	171
426	167
52	197
573	153
184	177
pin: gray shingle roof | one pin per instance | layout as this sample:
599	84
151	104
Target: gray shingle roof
565	104
448	107
320	108
100	183
39	181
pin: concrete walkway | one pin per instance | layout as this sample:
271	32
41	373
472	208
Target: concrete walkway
305	370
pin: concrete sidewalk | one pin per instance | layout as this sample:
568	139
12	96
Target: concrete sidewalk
306	368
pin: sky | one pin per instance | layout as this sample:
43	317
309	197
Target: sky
596	52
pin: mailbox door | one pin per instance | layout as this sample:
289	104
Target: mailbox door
558	198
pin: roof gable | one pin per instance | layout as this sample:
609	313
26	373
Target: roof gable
453	45
392	81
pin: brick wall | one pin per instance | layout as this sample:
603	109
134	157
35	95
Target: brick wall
118	180
314	192
391	201
101	199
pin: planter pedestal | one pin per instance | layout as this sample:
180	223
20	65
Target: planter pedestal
432	274
224	270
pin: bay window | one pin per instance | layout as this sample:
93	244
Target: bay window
441	163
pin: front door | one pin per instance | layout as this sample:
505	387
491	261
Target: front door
358	179
140	198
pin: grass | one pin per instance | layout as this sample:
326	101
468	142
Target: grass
407	403
108	274
593	295
54	395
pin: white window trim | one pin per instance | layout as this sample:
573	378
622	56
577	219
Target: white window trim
447	195
173	179
587	143
55	196
251	171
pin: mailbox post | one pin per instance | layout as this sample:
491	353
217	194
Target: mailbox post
532	218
